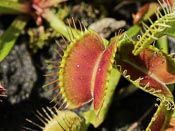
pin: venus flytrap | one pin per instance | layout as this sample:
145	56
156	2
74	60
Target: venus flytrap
100	66
159	66
91	66
160	119
96	56
87	75
150	70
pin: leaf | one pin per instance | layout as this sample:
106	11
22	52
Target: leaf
131	32
150	71
58	120
85	70
59	26
8	39
11	7
163	25
145	11
51	3
170	31
162	44
160	119
77	69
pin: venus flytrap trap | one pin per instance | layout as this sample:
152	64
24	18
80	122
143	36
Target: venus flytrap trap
164	25
56	120
73	76
160	119
154	69
148	10
86	75
160	71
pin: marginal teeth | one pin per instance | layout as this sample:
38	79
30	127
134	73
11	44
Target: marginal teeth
54	119
50	83
157	28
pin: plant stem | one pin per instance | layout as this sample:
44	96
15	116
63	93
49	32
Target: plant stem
59	25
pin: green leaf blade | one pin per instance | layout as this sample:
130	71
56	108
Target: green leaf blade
11	7
8	39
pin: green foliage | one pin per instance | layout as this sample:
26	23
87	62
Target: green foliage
28	9
13	7
8	39
56	120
